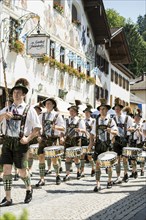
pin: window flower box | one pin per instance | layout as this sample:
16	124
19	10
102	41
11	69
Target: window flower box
43	60
17	46
58	7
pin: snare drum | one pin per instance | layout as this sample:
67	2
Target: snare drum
107	159
131	151
73	152
54	151
34	150
141	157
1	149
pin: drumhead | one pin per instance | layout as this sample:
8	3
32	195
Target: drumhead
132	148
109	155
53	148
73	148
142	154
1	145
34	146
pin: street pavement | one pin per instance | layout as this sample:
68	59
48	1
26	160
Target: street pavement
75	199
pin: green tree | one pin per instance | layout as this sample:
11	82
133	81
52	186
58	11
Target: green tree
114	18
141	22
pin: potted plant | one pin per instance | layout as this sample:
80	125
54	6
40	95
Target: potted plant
91	80
17	46
58	7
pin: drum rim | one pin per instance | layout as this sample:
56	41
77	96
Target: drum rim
133	148
70	148
111	152
51	148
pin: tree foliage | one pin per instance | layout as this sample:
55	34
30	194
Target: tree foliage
114	18
134	33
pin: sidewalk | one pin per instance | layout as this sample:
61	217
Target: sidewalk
76	200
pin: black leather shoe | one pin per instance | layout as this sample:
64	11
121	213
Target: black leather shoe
48	172
71	170
82	175
5	202
1	179
106	170
40	183
78	175
92	173
97	189
132	175
109	185
16	177
135	175
66	178
58	180
28	196
142	173
125	178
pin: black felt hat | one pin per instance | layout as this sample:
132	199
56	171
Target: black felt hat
117	103
21	83
52	100
103	103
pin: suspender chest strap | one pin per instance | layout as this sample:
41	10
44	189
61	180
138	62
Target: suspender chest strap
23	120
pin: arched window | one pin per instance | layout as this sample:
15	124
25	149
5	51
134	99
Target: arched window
74	13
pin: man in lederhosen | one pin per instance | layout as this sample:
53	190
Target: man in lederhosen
123	122
75	127
52	124
101	134
85	141
135	140
17	120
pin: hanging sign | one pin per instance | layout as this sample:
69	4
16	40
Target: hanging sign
37	45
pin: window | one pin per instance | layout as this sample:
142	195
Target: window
74	13
88	69
71	59
52	49
127	85
116	77
79	63
112	75
120	80
106	65
62	54
124	83
101	92
88	32
106	94
97	96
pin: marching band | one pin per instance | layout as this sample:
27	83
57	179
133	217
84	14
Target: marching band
105	141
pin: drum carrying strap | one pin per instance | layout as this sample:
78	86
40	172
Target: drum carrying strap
23	120
97	125
125	124
53	122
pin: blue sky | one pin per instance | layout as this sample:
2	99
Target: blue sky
127	8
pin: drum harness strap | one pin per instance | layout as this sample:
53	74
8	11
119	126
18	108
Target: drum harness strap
53	122
97	127
22	125
125	127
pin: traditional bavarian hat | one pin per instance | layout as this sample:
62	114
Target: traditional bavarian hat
38	107
103	103
128	110
21	83
74	107
52	100
117	103
138	113
88	109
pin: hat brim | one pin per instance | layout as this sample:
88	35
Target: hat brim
87	111
108	107
24	89
121	106
74	108
50	99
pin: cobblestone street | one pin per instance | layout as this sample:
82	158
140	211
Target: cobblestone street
75	199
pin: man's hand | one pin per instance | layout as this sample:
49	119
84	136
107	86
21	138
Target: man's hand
24	140
8	115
